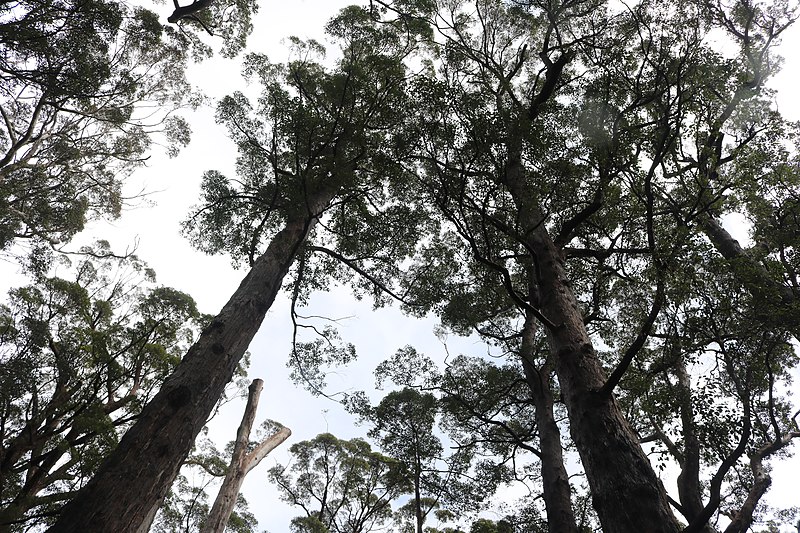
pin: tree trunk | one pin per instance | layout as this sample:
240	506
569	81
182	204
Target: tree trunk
241	463
140	471
626	493
187	11
419	520
690	490
555	481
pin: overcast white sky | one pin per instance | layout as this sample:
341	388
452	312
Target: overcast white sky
211	280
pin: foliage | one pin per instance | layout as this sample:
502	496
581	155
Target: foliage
228	21
341	486
84	86
560	187
80	357
591	152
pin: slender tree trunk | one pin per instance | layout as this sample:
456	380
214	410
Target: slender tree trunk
241	463
690	492
140	471
555	481
418	518
626	493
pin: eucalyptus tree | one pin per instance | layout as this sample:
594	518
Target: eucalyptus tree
490	408
584	154
314	150
341	486
83	86
711	397
80	357
405	426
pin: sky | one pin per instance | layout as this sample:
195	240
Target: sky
173	187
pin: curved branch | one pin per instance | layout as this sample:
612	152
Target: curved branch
182	12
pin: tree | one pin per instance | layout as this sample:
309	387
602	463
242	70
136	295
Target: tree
319	137
79	358
492	410
584	178
404	425
231	21
564	173
581	157
342	486
482	525
85	85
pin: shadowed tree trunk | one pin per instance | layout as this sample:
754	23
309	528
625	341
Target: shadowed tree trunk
627	494
555	481
187	11
137	475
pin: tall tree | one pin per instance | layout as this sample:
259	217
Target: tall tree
583	154
317	141
85	84
404	425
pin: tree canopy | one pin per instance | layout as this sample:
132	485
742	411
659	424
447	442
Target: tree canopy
81	356
557	178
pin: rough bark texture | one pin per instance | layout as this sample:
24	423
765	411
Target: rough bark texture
140	471
626	493
555	480
241	462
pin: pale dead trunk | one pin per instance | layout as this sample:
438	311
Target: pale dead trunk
241	463
139	472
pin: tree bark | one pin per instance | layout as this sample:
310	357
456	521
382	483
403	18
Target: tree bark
140	471
555	481
241	463
626	493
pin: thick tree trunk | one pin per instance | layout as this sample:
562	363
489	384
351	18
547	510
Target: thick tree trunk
626	493
555	481
187	11
140	471
241	463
